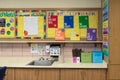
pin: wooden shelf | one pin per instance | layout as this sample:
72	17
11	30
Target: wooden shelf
46	41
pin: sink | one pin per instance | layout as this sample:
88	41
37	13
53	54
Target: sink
41	62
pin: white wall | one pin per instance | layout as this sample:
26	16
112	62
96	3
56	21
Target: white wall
50	3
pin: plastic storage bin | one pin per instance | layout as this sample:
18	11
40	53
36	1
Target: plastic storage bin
97	56
86	57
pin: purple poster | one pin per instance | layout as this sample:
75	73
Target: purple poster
91	34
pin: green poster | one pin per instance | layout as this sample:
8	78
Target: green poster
83	21
105	51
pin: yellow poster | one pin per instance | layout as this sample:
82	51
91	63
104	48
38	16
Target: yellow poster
7	24
20	26
31	24
105	24
83	33
50	33
93	19
22	23
75	35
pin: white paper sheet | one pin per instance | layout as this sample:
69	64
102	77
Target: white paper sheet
34	48
41	49
31	25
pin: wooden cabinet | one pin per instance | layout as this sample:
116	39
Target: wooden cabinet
83	74
9	74
71	74
114	39
55	74
25	74
36	74
114	72
48	74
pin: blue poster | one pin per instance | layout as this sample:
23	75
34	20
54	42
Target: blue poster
68	22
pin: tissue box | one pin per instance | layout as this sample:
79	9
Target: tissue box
97	56
86	57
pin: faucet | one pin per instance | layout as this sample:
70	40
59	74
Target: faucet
41	58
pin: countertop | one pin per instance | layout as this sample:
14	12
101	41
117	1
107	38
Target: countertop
21	62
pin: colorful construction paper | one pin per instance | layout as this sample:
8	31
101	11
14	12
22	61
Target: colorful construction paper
52	21
67	32
7	24
50	33
59	34
75	28
105	24
83	21
60	21
93	21
75	35
32	25
68	22
83	33
76	21
91	34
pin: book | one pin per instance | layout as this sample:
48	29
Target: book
59	34
91	34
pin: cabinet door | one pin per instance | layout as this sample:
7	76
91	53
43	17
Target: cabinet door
48	74
26	74
114	21
71	74
9	74
83	74
114	72
95	74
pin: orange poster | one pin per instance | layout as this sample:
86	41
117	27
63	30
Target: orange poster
59	34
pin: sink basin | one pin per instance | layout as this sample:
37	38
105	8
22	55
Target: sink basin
41	62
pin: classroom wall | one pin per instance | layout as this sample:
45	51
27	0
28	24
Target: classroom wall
24	49
50	3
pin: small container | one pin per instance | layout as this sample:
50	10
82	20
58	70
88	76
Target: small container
78	59
86	57
74	56
78	55
97	56
74	59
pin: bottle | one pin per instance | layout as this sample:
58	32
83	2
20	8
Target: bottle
74	55
78	56
80	51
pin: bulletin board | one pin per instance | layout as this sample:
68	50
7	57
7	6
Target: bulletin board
77	25
30	24
49	24
7	24
105	28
